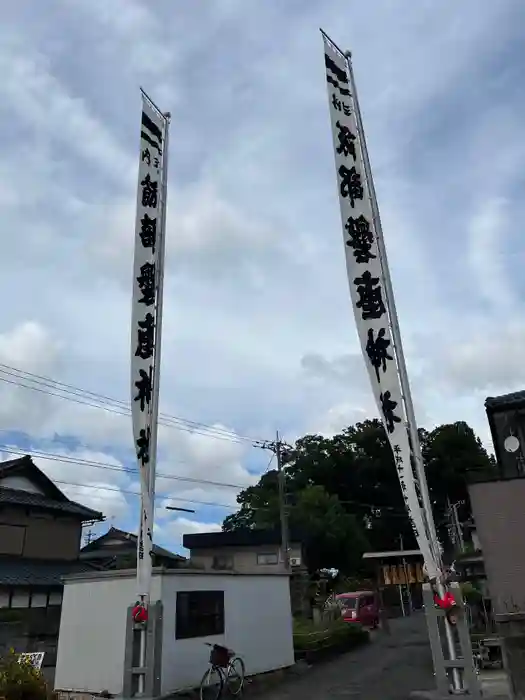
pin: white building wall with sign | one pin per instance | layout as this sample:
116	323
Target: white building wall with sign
91	647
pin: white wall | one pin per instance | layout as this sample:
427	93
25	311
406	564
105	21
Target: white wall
92	632
91	645
258	625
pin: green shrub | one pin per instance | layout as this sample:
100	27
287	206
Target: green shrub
341	634
471	593
20	680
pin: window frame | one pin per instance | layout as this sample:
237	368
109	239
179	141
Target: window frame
7	531
191	623
225	559
273	555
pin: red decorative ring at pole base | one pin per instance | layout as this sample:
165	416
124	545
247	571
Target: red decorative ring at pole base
140	613
449	605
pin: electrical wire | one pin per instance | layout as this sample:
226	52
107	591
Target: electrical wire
69	392
269	464
55	457
137	493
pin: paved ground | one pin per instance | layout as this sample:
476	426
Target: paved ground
386	669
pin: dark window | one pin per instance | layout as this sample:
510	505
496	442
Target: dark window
199	614
12	539
222	562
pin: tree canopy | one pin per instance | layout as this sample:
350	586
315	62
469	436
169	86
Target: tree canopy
343	493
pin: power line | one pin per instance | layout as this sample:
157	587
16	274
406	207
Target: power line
269	464
211	504
69	392
55	457
13	449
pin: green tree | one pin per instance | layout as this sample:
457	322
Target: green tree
452	452
259	505
333	538
356	469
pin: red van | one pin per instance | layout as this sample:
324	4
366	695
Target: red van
361	607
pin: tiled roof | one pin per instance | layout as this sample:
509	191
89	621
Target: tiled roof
516	398
37	500
235	538
29	572
96	549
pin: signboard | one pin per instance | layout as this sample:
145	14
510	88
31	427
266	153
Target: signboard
401	574
34	658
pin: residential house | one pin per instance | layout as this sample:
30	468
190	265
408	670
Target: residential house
117	549
40	536
252	552
506	417
244	551
497	504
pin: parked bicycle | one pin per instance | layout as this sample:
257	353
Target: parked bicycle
226	669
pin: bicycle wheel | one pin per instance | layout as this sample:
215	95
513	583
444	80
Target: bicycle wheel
212	684
235	675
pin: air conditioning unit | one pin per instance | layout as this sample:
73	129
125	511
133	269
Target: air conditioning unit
295	561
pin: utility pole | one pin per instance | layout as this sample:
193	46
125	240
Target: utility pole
455	525
458	525
277	448
283	513
407	581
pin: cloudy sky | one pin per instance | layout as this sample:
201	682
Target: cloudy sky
258	329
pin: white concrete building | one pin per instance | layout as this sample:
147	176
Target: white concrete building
248	613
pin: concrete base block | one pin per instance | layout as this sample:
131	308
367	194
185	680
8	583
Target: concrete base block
435	695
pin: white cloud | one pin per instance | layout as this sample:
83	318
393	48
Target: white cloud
30	347
486	359
341	416
487	238
43	103
97	489
170	533
258	328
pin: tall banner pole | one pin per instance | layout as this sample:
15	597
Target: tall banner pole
160	303
374	308
394	324
417	456
146	328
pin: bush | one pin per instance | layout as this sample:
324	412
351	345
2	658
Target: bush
20	680
336	635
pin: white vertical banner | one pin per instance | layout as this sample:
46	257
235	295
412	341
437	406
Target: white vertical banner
149	237
367	289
